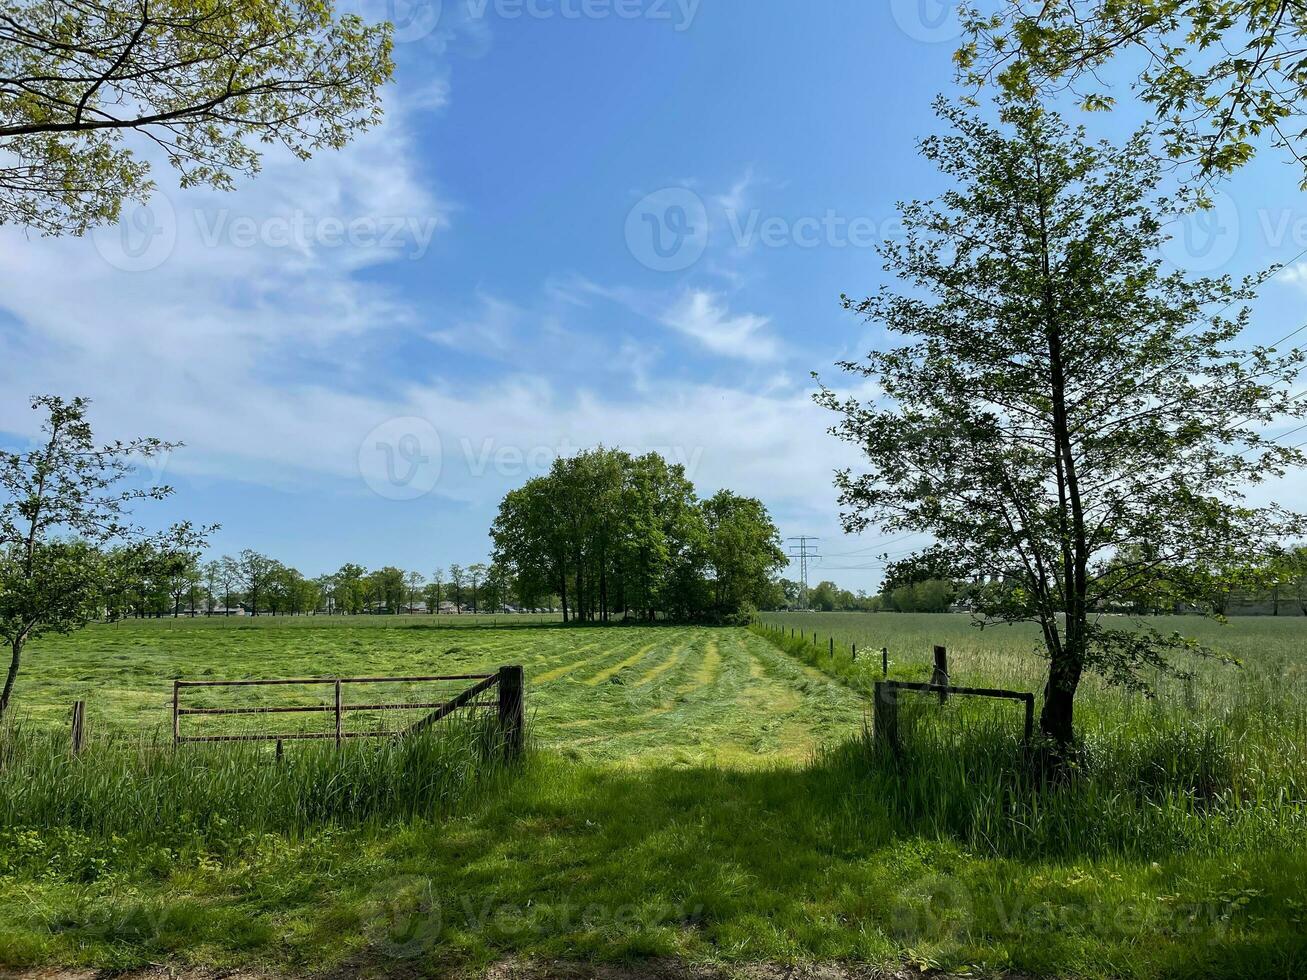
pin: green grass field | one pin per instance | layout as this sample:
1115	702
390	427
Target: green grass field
656	695
698	794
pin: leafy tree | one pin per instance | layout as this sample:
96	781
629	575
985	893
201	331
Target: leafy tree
1297	566
351	588
413	582
476	574
388	589
436	590
205	83
457	579
254	571
1220	74
62	507
744	550
1059	396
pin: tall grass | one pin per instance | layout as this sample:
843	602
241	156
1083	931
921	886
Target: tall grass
129	785
1150	779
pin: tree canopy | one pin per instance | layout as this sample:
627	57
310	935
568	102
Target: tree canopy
1221	74
204	82
1065	415
610	533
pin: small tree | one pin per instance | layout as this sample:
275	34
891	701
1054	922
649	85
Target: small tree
457	579
254	572
413	582
63	507
1061	399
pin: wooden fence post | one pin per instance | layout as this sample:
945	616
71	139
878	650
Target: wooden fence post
939	675
854	647
176	714
339	721
886	723
512	710
832	646
79	726
884	661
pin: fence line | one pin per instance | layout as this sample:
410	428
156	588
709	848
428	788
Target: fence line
508	706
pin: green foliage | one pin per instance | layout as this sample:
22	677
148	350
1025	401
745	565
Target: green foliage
61	507
1064	416
1221	74
206	82
612	534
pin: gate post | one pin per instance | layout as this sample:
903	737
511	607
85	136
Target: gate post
940	674
886	721
512	710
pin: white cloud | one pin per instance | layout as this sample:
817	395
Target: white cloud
704	316
1295	274
737	197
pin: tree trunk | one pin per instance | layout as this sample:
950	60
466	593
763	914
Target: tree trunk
1056	720
12	676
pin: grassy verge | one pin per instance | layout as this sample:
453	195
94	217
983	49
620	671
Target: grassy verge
223	794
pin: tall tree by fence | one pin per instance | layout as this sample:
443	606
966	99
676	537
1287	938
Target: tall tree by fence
1065	413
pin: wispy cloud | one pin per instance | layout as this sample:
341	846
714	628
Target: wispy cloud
704	316
1295	274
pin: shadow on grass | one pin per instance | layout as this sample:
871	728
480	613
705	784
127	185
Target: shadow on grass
812	864
852	858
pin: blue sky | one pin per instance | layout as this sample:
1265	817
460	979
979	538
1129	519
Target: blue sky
364	351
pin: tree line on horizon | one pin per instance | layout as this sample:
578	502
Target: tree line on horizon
156	582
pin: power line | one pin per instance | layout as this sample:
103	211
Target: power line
803	551
872	547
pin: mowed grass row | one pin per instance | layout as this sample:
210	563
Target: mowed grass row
649	694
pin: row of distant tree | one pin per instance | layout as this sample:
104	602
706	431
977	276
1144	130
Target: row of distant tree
165	583
1274	583
603	536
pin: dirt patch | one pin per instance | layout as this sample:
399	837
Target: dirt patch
659	969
